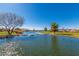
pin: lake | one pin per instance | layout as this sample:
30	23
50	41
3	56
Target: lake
39	45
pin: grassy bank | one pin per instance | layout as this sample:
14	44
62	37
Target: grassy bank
71	34
5	33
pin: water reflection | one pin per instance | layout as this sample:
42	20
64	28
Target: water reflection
41	45
7	40
10	48
55	48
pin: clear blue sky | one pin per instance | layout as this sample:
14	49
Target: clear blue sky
39	15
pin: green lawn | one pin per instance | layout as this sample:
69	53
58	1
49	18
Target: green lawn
72	34
5	33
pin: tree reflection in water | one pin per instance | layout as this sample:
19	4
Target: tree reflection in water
55	47
10	48
7	40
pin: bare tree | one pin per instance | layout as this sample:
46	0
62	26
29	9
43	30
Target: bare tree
10	21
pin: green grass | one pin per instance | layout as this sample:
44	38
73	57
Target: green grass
5	33
72	34
46	32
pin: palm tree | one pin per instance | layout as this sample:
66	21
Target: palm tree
54	27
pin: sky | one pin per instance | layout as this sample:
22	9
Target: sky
40	15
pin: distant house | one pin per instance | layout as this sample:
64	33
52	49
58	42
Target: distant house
62	30
69	30
73	30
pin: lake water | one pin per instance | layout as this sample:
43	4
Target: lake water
39	45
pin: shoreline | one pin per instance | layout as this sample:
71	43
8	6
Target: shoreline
70	34
6	36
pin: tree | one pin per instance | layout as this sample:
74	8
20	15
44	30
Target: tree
10	21
54	27
45	29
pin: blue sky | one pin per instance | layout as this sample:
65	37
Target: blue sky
38	16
